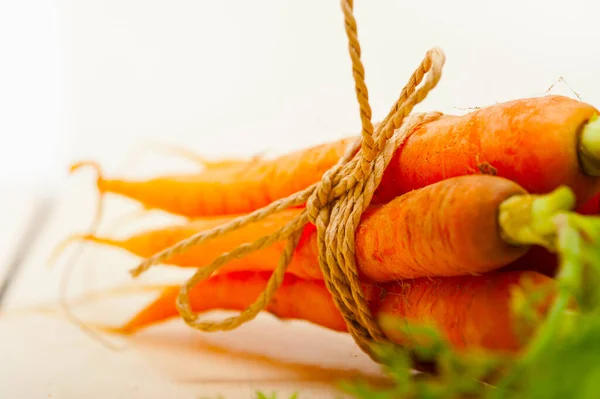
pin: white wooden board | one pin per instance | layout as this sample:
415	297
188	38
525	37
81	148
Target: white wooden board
18	205
52	357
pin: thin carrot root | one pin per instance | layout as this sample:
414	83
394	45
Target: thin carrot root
87	298
178	151
72	262
99	177
563	81
110	329
61	247
74	238
86	164
161	309
98	328
441	300
196	158
94	331
124	219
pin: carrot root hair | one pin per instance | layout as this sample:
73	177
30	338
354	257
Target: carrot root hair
99	179
203	162
72	261
180	152
61	247
100	187
141	319
129	217
160	309
87	298
74	238
76	166
96	330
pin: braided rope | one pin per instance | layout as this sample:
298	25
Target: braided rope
334	205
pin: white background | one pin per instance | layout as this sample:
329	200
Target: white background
82	78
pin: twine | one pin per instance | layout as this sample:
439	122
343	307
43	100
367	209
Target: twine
334	205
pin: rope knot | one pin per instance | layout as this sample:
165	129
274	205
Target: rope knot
334	205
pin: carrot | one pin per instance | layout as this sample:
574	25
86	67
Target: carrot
237	188
503	139
460	306
444	229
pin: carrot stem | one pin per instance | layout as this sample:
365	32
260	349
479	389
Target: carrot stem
589	148
528	219
578	239
569	278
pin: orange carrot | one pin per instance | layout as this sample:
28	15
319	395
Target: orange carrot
237	188
503	139
459	306
444	229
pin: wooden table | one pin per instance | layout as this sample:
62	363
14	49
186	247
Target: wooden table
47	355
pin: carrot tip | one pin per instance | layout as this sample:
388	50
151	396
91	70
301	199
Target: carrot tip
122	330
83	164
590	147
61	246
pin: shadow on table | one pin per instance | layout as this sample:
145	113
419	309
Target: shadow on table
267	350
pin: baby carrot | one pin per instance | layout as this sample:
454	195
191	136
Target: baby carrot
453	227
238	188
505	140
471	311
502	139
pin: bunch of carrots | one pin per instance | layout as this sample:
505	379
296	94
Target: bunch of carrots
464	217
